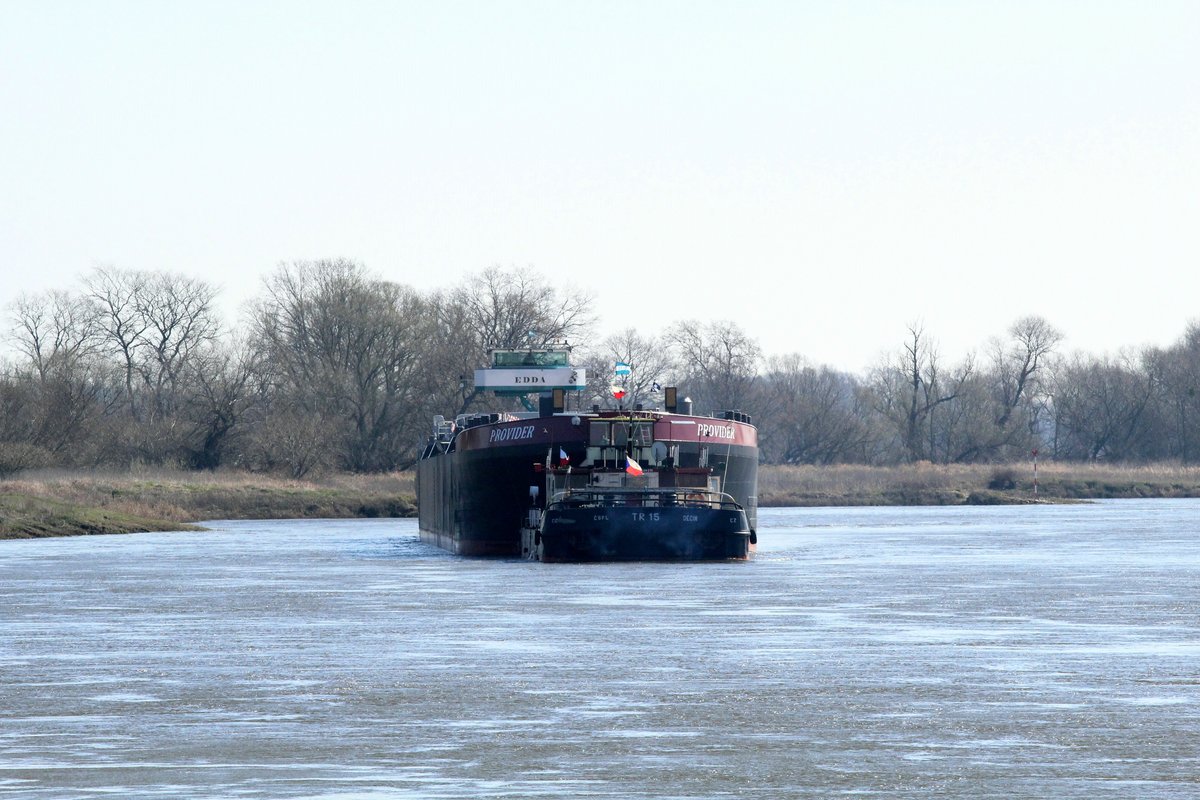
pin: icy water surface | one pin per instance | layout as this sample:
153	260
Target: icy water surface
1047	652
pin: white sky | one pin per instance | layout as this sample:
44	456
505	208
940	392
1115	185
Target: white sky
822	173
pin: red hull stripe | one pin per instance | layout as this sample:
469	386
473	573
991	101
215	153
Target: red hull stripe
559	431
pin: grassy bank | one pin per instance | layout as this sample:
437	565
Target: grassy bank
66	503
24	516
958	484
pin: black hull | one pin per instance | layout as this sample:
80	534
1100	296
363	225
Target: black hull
645	534
473	503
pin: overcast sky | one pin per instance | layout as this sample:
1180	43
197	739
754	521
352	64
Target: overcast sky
822	173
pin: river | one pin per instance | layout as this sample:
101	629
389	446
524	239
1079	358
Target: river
1015	652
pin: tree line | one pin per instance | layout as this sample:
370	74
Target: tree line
334	368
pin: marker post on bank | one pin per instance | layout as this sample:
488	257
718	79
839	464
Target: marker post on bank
1035	473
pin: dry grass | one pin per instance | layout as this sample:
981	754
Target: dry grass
189	496
1095	480
24	516
941	484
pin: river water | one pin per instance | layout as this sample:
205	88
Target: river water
1040	652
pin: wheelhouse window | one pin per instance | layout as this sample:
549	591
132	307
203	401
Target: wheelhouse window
530	358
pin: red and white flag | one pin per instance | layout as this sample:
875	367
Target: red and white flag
632	467
617	391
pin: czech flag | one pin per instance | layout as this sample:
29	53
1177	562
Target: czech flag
562	457
632	467
617	391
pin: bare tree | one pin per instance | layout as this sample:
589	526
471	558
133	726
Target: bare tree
179	334
997	412
55	331
223	396
521	308
119	298
1100	407
451	353
910	388
810	415
346	348
19	412
293	440
1178	371
57	335
157	329
651	361
719	360
1019	362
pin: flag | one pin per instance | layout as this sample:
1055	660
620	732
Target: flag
632	467
657	387
617	391
622	369
562	457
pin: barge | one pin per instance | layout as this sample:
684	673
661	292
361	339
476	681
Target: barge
556	484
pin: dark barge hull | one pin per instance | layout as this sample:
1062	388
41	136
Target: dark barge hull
473	503
645	534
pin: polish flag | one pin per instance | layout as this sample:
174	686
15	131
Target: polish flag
617	391
632	467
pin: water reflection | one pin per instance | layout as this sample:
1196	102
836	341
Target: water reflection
1027	652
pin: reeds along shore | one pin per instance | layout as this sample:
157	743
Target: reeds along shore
924	483
79	502
68	502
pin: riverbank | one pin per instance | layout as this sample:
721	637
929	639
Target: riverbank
25	516
82	502
924	484
63	503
